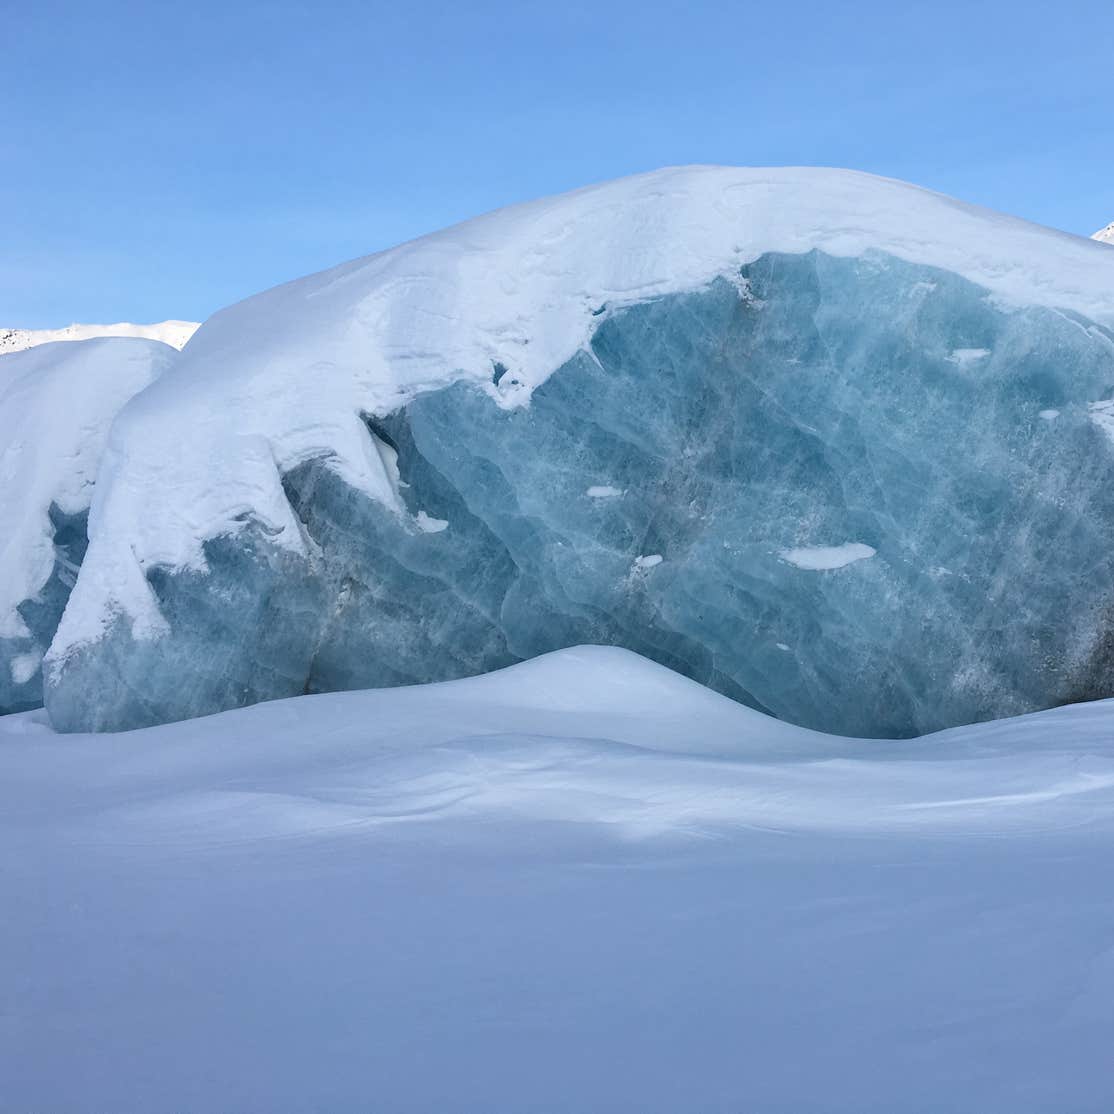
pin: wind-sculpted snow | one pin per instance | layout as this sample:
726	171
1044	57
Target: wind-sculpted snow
830	488
56	403
579	884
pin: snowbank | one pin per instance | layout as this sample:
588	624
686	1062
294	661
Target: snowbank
582	883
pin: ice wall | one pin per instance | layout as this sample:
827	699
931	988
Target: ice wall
864	494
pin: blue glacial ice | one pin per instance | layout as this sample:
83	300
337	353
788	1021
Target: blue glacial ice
860	493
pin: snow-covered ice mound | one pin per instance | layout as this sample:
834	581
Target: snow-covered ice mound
56	404
583	883
838	447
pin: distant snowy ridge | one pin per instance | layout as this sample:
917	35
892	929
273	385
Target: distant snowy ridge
174	333
1105	235
283	377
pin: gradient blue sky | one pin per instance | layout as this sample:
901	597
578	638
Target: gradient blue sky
163	160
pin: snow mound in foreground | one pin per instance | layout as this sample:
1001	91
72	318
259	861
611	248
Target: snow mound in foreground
56	404
581	883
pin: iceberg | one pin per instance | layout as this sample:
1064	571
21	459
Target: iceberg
786	432
57	401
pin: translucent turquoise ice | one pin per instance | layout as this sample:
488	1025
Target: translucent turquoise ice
670	491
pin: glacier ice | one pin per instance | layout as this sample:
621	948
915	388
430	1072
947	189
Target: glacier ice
57	401
830	491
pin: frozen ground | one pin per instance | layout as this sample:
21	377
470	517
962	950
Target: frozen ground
581	884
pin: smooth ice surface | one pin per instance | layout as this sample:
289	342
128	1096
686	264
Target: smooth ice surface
582	884
56	404
796	458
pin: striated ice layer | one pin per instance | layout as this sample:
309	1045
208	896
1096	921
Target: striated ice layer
857	493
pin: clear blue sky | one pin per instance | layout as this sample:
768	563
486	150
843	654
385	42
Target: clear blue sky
162	160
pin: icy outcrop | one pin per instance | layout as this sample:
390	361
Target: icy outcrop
785	431
1105	235
56	403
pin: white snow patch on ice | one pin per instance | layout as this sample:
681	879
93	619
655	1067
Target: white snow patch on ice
965	357
430	525
603	492
644	564
24	666
821	557
1048	415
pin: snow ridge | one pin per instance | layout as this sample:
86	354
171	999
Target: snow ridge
174	333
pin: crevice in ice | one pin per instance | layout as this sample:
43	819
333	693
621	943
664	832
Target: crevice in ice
379	430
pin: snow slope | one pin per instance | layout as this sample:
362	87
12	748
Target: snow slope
174	333
1106	235
583	883
283	377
